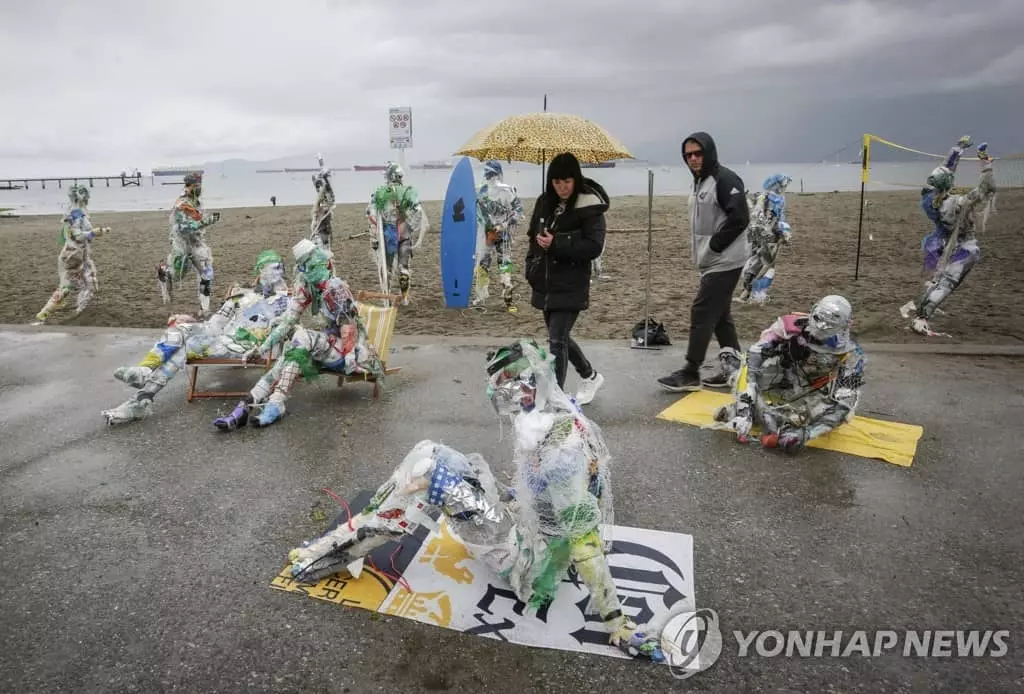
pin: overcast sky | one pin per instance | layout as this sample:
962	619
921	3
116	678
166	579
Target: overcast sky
96	87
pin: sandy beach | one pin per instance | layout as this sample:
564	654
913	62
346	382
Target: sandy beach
820	261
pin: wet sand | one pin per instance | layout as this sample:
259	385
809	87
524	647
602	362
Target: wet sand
820	261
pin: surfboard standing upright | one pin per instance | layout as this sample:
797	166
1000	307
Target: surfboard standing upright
459	236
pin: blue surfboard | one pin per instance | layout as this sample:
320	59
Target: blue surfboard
458	236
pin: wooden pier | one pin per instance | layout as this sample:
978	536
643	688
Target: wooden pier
17	183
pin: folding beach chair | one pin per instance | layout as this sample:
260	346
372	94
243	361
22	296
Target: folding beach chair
378	312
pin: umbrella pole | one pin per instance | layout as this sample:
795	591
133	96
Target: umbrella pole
543	156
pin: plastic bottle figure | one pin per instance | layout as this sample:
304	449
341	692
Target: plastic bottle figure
188	244
767	232
529	535
342	347
323	208
76	270
241	323
952	249
395	213
802	379
499	211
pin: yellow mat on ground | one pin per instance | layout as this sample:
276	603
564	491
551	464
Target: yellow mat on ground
892	442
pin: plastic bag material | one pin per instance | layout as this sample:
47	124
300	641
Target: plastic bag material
563	488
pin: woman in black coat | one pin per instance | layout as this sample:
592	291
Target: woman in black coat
566	233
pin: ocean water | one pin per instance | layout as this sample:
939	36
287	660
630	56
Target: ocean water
246	188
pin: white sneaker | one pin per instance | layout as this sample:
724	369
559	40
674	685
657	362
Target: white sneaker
588	388
908	309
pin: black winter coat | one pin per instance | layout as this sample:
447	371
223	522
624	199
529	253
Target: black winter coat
560	275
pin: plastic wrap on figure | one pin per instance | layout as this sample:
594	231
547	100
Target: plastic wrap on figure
343	347
951	249
767	232
188	244
323	208
530	534
395	210
499	210
956	152
801	380
76	270
242	322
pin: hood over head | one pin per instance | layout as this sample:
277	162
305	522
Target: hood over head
707	143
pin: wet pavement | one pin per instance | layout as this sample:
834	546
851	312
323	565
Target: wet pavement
139	557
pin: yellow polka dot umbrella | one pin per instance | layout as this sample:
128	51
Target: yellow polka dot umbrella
536	138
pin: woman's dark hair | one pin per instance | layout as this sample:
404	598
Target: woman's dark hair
563	166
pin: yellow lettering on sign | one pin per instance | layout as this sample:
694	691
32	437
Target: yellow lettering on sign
368	591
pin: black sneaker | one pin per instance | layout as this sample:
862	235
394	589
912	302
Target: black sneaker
719	379
680	381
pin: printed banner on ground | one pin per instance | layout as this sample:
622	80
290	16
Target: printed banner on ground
433	579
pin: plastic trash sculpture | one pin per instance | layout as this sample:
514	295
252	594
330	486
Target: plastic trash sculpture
801	380
395	217
342	346
528	534
76	270
500	210
768	231
241	323
951	250
188	244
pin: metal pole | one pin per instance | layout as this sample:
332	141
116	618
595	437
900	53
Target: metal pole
860	227
650	262
650	253
864	158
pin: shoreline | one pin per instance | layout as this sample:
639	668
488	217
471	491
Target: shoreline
362	205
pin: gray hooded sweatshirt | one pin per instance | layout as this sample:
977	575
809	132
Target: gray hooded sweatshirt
718	213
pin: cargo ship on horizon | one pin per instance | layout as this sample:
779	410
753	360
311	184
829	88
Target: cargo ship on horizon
175	170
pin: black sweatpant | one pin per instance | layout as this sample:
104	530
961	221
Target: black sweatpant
562	345
710	314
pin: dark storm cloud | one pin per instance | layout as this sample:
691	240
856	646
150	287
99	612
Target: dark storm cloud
115	84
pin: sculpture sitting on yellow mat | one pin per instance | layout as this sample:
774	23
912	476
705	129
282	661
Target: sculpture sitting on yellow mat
801	380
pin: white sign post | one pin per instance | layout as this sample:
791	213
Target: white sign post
400	129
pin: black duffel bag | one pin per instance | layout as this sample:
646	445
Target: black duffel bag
653	331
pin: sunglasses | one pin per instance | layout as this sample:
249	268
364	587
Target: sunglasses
693	155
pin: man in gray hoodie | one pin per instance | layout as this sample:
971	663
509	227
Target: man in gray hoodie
718	222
